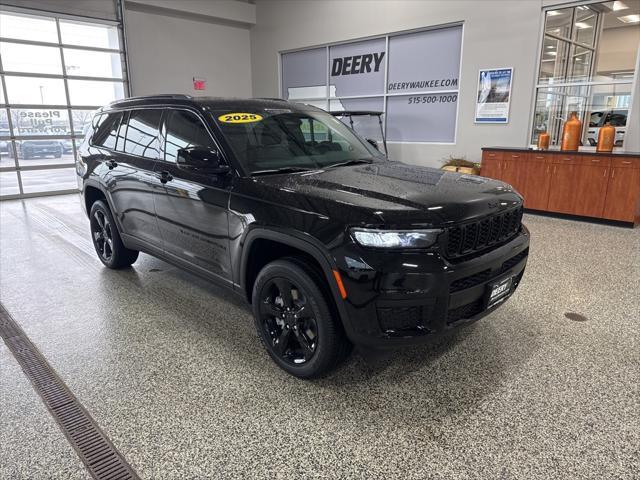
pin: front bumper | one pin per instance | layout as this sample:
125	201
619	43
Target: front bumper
404	298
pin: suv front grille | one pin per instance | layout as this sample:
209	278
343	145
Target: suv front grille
477	236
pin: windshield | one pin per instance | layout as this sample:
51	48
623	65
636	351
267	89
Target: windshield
270	140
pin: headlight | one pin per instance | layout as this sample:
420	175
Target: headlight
395	238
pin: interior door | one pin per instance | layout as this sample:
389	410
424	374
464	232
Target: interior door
193	208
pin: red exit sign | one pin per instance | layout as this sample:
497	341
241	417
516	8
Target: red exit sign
199	83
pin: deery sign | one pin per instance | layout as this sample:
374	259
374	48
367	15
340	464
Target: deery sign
357	64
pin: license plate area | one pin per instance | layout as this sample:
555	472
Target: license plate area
499	290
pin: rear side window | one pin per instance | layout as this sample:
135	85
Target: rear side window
184	130
105	135
142	133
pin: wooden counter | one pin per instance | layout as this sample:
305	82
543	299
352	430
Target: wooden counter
578	183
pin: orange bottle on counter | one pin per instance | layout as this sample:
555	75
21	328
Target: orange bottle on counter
606	138
543	141
571	133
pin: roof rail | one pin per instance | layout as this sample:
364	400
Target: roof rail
149	97
271	98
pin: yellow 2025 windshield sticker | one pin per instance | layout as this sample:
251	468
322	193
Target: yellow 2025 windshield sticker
239	117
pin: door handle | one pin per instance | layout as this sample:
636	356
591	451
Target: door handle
165	177
111	164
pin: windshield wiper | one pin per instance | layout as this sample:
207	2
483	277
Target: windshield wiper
281	170
348	162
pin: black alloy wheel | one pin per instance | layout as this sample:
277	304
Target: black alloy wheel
106	238
288	321
102	235
296	319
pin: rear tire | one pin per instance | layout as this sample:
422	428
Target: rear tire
106	238
294	320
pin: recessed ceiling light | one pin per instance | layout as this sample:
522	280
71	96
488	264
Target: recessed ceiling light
553	53
618	5
553	13
583	25
635	18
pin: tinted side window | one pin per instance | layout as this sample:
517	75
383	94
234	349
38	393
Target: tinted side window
184	130
107	131
122	132
142	133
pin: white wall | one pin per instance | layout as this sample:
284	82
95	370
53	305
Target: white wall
167	48
497	33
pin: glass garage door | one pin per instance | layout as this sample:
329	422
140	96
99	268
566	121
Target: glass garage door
55	72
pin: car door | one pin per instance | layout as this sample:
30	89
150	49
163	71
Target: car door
192	209
130	179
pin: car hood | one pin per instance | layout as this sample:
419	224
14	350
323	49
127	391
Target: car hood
392	193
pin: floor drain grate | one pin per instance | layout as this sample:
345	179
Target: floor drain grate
576	317
94	448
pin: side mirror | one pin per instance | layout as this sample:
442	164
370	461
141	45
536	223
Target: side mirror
201	160
373	143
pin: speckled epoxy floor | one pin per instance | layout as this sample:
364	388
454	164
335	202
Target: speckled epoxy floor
170	368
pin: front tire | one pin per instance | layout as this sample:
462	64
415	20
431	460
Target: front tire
106	238
294	320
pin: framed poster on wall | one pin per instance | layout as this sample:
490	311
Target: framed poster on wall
494	95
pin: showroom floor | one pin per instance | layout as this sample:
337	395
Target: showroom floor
172	371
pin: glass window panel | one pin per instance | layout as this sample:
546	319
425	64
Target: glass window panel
357	68
142	133
425	61
367	126
34	181
304	74
422	118
585	25
43	152
9	183
1	94
87	63
595	105
184	130
558	22
89	34
31	121
4	124
35	91
122	132
89	92
618	46
6	157
30	58
581	64
107	131
81	121
28	27
553	61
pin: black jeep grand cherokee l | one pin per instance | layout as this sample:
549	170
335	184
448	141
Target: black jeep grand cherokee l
330	242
